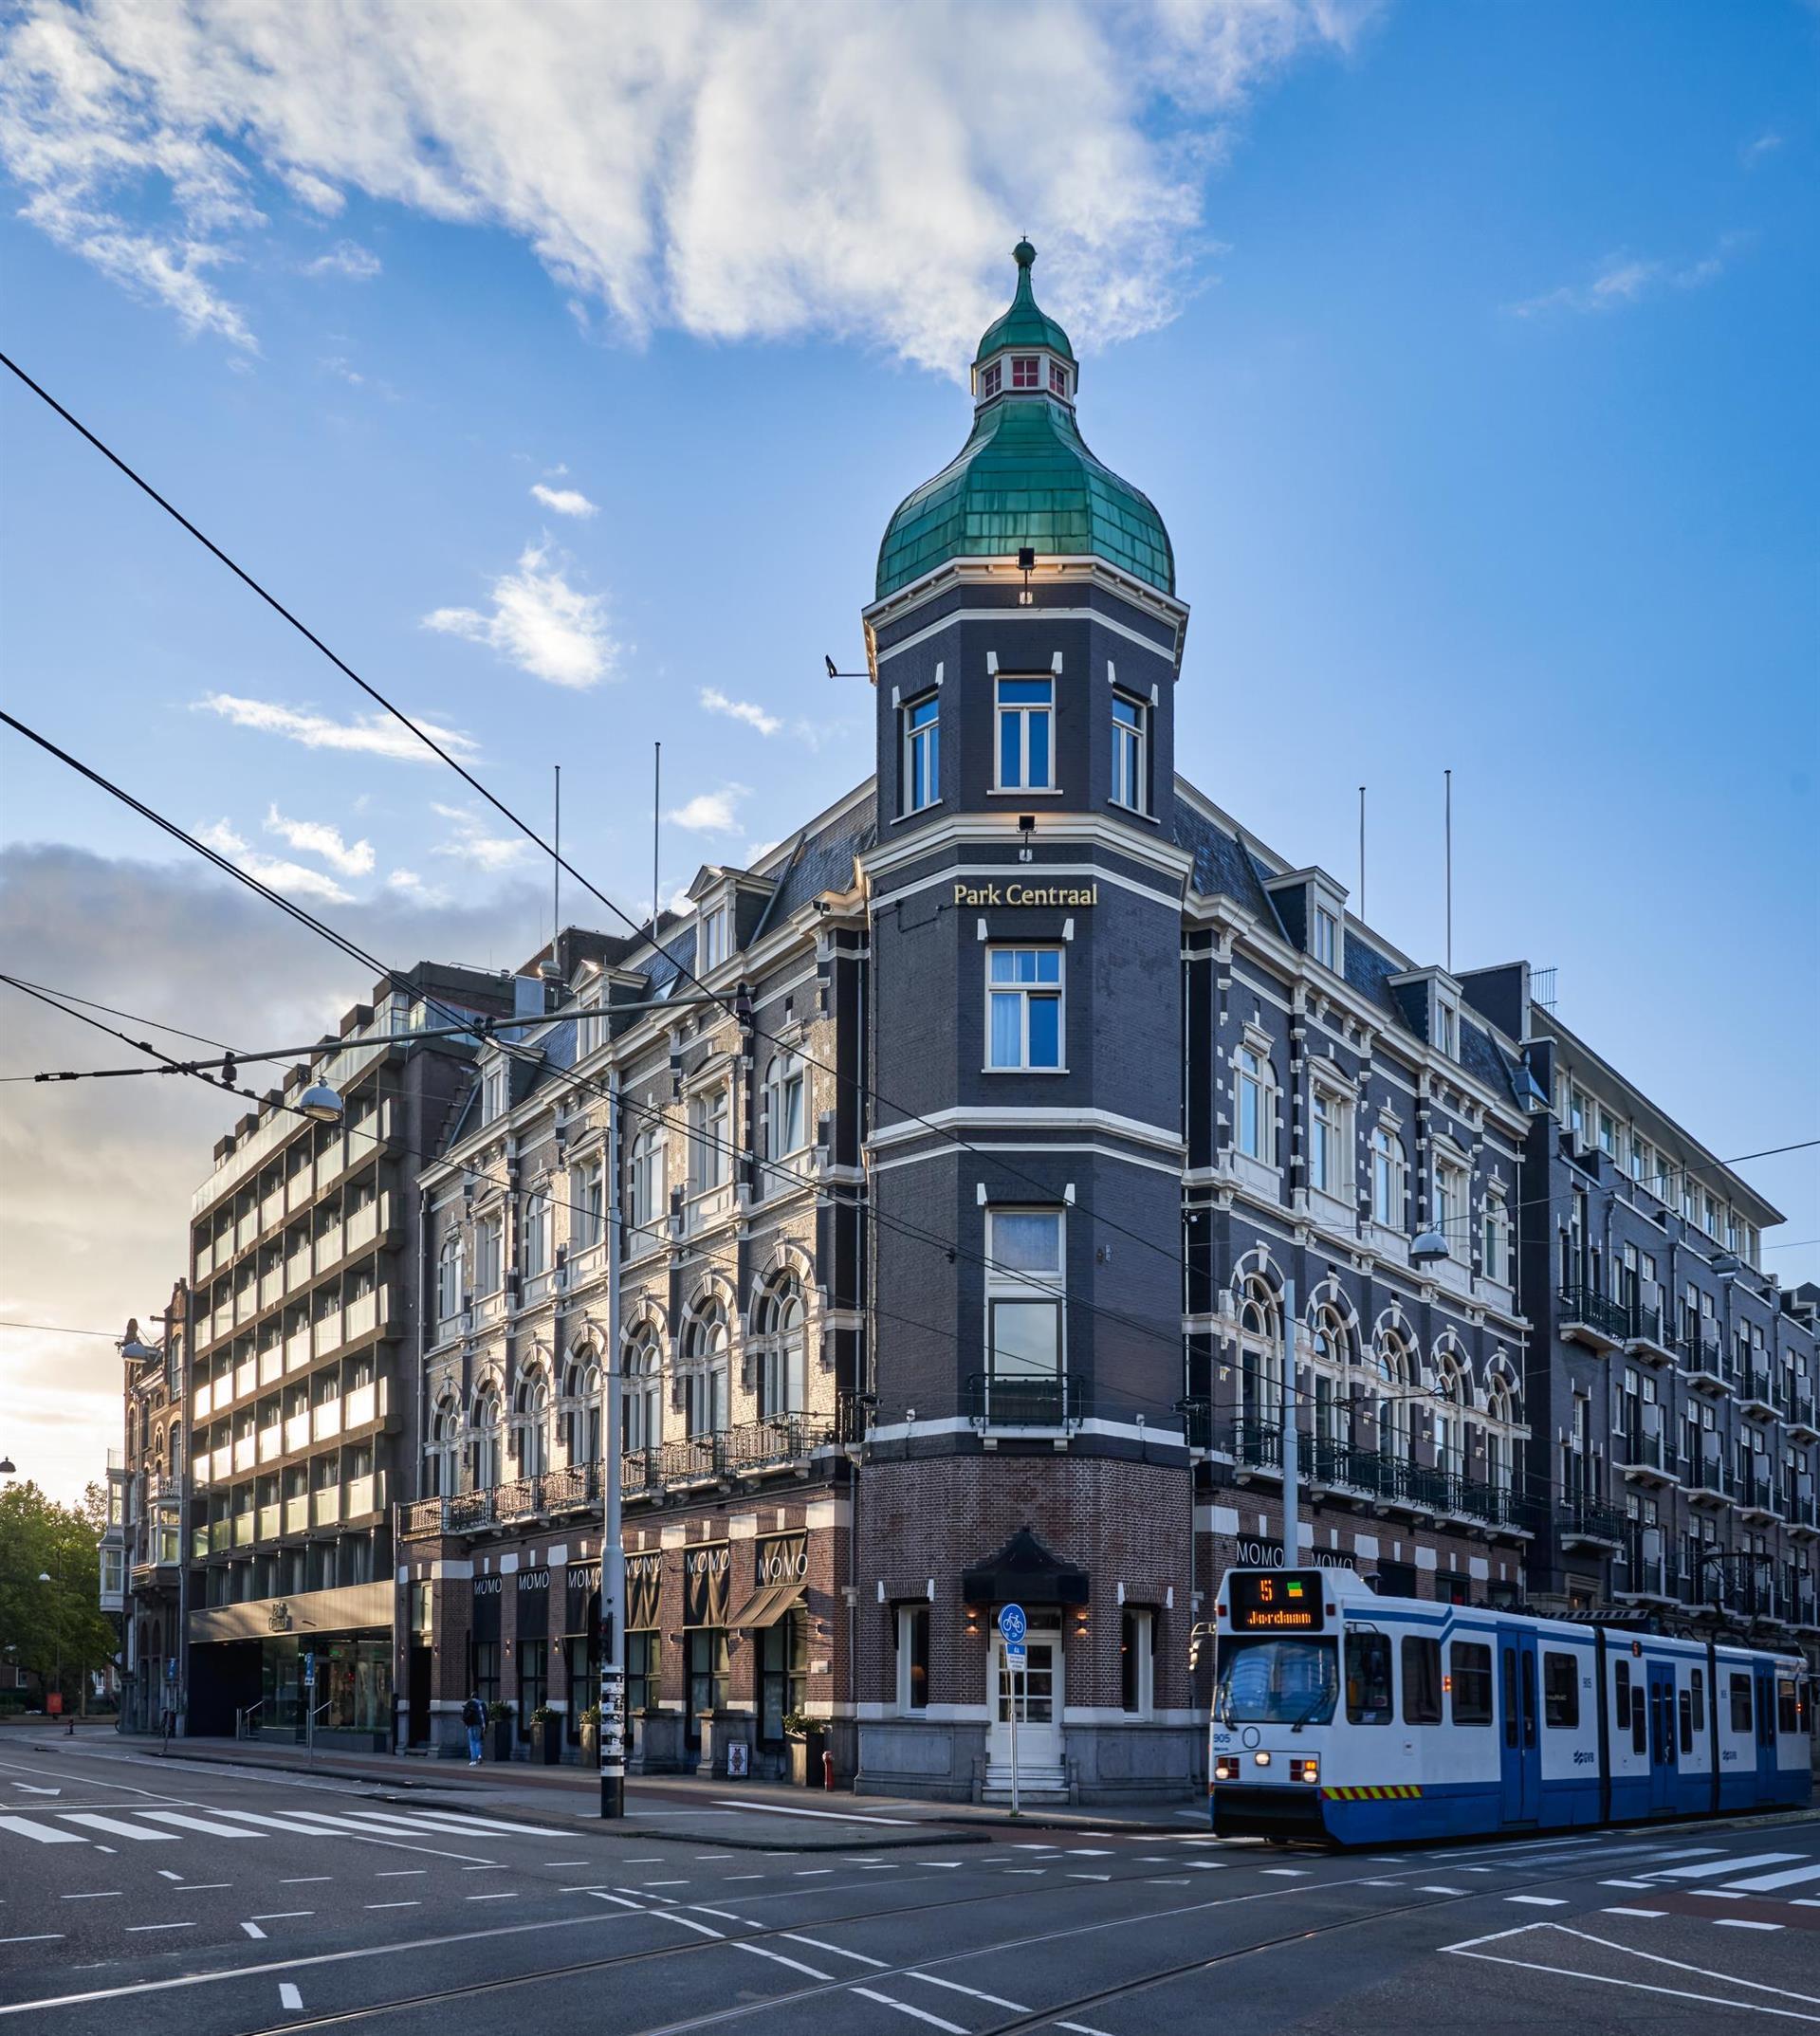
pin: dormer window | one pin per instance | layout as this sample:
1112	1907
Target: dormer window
991	379
1026	371
1447	1028
492	1092
714	939
1325	945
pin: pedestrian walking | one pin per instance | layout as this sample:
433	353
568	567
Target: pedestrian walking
473	1715
170	1727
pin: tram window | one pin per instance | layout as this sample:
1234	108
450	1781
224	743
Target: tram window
1639	1724
1740	1701
1470	1664
1687	1722
1621	1682
1420	1680
1561	1690
1510	1697
1787	1713
1697	1682
1367	1680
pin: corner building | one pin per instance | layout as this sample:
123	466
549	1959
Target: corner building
971	1145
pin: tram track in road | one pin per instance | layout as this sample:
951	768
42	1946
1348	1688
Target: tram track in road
876	1975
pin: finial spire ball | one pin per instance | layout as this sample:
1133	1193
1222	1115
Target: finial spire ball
1023	254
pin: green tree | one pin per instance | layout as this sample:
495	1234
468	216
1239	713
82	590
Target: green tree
45	1626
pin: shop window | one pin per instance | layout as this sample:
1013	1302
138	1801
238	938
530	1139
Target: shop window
641	1672
913	1656
533	1681
784	1673
1137	1661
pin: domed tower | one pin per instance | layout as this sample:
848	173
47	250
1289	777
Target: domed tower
1025	1154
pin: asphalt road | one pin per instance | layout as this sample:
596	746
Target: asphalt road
138	1899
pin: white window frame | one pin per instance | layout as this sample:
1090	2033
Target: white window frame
450	1263
1144	1637
534	1243
713	937
1388	1178
710	1132
1447	1027
1450	1205
927	737
489	1253
1330	1145
1324	940
1025	993
493	1092
1495	1244
907	1614
645	1181
1006	1286
1022	713
1253	1077
1130	753
587	1205
785	1096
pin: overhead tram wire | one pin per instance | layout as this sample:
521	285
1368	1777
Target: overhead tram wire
636	926
467	777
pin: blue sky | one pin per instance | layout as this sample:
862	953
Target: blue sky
1465	351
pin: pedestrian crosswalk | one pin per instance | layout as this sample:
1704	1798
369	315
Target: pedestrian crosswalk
157	1824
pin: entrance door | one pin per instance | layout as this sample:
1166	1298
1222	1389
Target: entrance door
1520	1750
1038	1700
1763	1717
418	1695
1664	1764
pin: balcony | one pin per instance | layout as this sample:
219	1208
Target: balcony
1007	1399
297	1271
1649	1342
246	1451
325	1247
244	1530
1799	1516
361	1315
1644	1460
201	1402
1755	1394
363	1404
325	1421
1588	1523
327	1332
1700	1359
269	1517
199	1543
297	1512
1704	1482
221	1464
272	1286
363	1496
1649	1577
1591	1319
297	1348
1800	1419
221	1534
296	1432
1756	1498
271	1208
325	1506
271	1363
246	1377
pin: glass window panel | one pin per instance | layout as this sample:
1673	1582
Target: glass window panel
1007	1011
1027	1240
1046	1032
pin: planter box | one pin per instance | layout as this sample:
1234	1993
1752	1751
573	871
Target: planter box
721	1730
499	1740
656	1743
547	1740
806	1760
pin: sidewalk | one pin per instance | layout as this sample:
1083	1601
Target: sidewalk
742	1815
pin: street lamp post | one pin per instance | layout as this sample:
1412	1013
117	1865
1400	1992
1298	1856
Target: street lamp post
613	1565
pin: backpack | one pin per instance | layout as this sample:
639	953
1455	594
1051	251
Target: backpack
471	1713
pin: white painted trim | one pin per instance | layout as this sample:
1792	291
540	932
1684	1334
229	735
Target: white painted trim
998	1146
955	873
1031	1117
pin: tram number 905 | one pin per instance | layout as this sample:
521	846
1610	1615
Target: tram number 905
1288	1601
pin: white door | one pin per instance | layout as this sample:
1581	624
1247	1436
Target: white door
1037	1693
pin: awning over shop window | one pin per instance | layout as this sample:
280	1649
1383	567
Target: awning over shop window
767	1605
1023	1571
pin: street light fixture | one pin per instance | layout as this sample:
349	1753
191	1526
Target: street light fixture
321	1104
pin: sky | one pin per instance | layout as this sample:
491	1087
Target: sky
564	379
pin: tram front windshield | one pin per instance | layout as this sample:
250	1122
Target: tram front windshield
1275	1681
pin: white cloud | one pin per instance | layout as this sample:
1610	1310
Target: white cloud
711	813
748	711
1622	280
472	842
373	735
316	837
410	884
1753	152
346	258
734	172
294	878
540	623
565	501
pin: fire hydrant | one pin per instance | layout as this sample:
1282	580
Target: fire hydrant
827	1770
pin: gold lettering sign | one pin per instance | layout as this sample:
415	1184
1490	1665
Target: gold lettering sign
1027	894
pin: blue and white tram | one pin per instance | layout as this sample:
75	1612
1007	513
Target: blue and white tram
1365	1720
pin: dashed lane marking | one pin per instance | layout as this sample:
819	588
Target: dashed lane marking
252	1930
954	1986
393	1905
1540	1902
826	1816
839	1950
688	1922
902	2008
796	1965
288	1997
1654	1915
1741	1922
43	1936
1443	1891
109	1894
135	1929
1724	1866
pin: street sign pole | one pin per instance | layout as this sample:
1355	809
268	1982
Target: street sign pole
1012	1627
613	1563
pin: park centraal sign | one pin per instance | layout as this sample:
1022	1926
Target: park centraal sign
1026	894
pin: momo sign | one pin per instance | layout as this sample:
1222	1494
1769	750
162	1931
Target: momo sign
1019	894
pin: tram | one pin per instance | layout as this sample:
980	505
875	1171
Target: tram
1362	1720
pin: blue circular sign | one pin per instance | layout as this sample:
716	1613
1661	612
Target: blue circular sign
1012	1621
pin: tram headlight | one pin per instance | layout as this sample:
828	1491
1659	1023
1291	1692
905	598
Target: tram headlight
1305	1770
1262	1759
1225	1768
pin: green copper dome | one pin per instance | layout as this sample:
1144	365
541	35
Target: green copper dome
1024	477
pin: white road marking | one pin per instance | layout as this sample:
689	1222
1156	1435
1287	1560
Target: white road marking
938	1862
590	1863
1035	1872
745	1876
115	1829
688	1922
954	1986
904	2008
1654	1913
133	1929
841	1950
803	1873
508	1895
1469	1949
310	1879
1725	1866
393	1905
288	1997
1764	1882
165	1873
1441	1891
827	1816
1079	2029
1089	1876
252	1930
283	1915
32	1788
195	1823
48	1936
45	1834
205	1887
385	1873
796	1965
1633	1886
1741	1922
111	1894
1540	1902
1090	1852
1292	1873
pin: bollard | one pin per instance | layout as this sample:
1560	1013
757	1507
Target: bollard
827	1770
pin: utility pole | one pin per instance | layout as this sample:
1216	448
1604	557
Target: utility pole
613	1563
1292	1442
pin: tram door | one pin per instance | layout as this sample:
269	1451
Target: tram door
1664	1765
1763	1719
1521	1748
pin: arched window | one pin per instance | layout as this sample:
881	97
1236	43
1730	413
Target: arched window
641	1404
448	1276
1331	1352
644	1185
785	1116
1252	1128
782	1377
535	1247
704	1375
533	1425
1499	1440
176	1451
1260	1371
1450	1404
1393	1367
581	1399
444	1467
486	1438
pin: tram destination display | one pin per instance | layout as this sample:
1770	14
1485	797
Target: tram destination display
1285	1600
